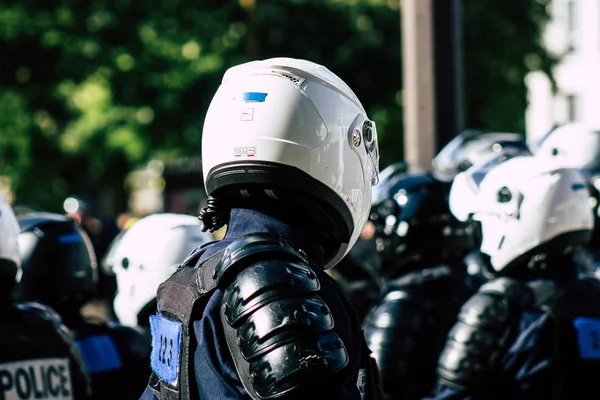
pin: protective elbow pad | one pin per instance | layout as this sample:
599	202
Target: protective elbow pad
279	331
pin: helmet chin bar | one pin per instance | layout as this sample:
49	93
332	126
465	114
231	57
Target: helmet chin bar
541	260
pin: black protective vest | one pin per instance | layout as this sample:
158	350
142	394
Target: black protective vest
39	359
277	328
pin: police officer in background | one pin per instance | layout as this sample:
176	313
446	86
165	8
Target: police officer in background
39	358
468	148
421	247
532	332
145	256
289	157
59	269
575	145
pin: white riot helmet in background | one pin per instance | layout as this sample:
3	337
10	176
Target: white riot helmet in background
473	147
523	203
574	145
10	260
146	255
291	131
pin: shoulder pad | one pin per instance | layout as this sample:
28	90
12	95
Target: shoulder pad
398	307
192	259
515	291
480	333
41	311
391	331
279	331
264	246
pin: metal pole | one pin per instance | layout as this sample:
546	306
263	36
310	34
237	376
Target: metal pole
459	68
447	70
418	82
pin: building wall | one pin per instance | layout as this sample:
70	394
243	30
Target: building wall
573	35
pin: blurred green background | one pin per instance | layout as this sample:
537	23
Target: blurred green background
90	90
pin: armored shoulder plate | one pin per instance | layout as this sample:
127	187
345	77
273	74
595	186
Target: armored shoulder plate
279	331
42	311
483	327
391	330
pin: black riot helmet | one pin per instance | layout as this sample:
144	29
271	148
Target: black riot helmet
58	260
414	227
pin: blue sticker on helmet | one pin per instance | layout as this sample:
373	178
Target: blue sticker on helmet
254	97
69	238
99	353
166	342
588	337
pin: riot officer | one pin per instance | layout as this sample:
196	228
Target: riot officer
576	145
39	358
529	333
289	156
145	256
421	247
59	269
468	148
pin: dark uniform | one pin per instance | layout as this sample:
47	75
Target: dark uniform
421	247
530	333
287	325
518	339
59	269
39	358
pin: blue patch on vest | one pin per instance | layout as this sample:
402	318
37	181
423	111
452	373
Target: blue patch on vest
254	97
69	238
99	353
166	342
588	337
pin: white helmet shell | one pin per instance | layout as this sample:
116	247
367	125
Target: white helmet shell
298	114
522	203
147	254
473	147
9	236
572	145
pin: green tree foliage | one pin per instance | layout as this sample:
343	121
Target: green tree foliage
90	90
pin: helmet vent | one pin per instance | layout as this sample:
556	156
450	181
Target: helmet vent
292	78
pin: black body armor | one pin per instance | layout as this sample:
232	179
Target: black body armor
407	330
489	322
278	329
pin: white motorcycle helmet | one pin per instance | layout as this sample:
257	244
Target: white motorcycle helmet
291	131
472	147
146	255
465	186
523	203
573	145
10	260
